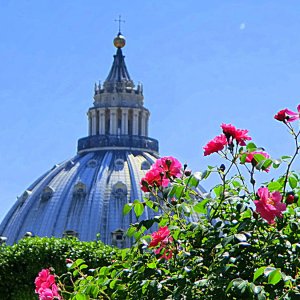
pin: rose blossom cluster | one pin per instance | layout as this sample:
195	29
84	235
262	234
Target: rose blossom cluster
163	239
286	115
269	205
45	286
230	134
161	172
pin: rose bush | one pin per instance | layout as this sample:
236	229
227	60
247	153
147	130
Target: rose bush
238	241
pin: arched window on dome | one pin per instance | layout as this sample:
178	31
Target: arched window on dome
79	191
119	191
118	237
70	233
145	165
47	193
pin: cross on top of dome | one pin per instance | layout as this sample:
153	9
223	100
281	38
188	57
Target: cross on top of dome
120	20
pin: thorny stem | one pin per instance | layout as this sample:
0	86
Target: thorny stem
293	158
223	178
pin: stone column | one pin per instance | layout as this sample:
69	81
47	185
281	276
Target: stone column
113	121
90	122
124	125
135	121
94	125
147	124
101	121
144	122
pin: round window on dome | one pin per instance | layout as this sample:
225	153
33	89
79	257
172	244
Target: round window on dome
119	164
92	163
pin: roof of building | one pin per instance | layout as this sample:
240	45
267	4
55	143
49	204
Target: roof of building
118	71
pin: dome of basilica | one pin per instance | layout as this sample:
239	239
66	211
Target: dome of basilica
84	196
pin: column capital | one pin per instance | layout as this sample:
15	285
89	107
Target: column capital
125	109
136	110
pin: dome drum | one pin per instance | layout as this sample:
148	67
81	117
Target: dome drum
103	142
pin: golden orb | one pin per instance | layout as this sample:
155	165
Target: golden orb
119	41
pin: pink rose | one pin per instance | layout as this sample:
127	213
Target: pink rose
153	177
288	115
160	173
45	286
215	145
240	135
162	234
170	165
163	239
269	205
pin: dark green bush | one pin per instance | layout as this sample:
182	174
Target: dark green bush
20	263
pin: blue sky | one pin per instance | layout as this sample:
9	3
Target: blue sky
201	62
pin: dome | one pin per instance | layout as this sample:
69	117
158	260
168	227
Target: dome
84	195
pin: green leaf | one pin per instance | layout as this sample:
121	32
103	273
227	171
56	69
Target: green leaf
286	158
78	262
259	157
80	297
239	284
200	207
246	214
104	271
138	209
268	270
179	191
150	203
151	265
251	147
276	163
236	183
258	273
172	191
206	173
83	266
131	230
293	182
274	186
243	158
113	283
229	286
124	253
193	181
127	208
218	190
274	277
268	162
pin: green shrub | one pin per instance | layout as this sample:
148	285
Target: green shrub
20	263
